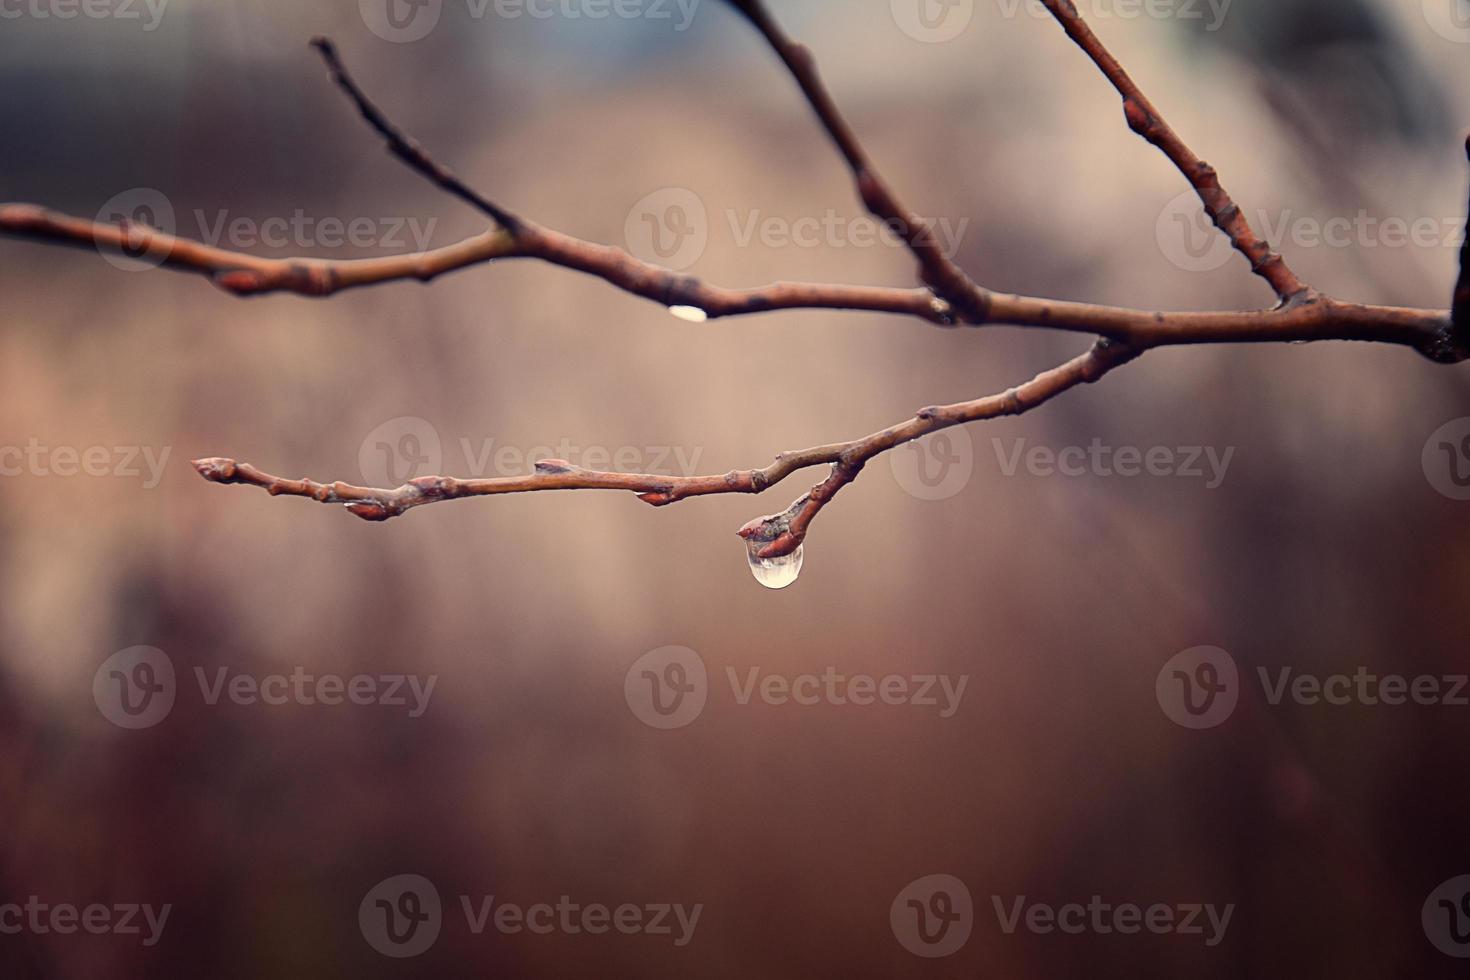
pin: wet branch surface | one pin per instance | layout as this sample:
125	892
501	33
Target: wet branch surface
949	297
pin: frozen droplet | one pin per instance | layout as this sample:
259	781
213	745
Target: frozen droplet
773	573
691	313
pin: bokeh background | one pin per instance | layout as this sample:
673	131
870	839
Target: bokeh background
1326	548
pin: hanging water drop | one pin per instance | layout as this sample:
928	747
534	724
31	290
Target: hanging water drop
761	533
691	313
773	573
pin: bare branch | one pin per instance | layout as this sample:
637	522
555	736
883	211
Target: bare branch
1307	316
847	460
1302	314
405	147
247	275
937	269
1146	121
1312	318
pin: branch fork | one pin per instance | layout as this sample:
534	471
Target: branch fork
949	296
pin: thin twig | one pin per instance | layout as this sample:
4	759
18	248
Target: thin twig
1302	314
1316	318
405	147
1145	120
847	460
248	275
937	269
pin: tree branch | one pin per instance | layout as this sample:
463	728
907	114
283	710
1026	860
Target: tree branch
1148	122
1306	317
406	148
248	275
847	460
1302	313
1311	318
948	280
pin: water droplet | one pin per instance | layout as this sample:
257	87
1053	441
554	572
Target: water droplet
773	573
691	313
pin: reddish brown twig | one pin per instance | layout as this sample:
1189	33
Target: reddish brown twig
1146	121
405	147
1301	315
947	279
1318	318
847	460
249	275
1308	317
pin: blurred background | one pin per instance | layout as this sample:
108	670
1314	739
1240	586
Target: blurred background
1330	544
